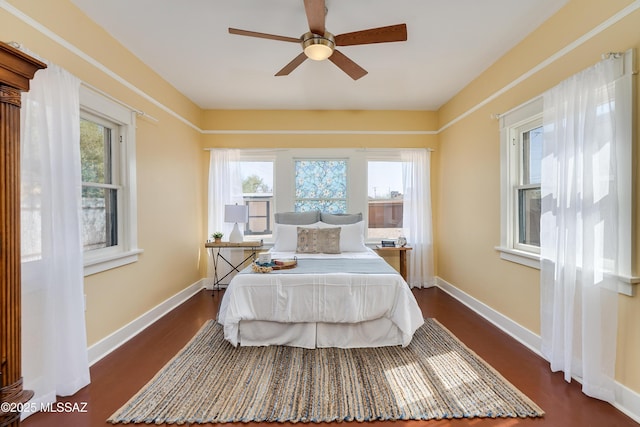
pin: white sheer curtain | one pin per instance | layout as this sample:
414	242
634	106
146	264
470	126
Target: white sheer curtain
579	230
54	352
416	216
225	187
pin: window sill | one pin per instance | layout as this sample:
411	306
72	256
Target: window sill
520	257
626	285
93	266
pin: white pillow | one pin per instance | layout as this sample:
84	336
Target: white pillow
351	236
286	237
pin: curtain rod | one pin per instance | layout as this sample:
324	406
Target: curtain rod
497	116
611	55
604	57
139	112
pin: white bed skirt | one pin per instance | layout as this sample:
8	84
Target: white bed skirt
373	333
309	310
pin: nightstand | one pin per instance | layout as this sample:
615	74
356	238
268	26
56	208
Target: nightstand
402	253
252	246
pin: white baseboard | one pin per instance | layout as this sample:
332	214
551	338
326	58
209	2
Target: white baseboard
111	342
627	400
527	338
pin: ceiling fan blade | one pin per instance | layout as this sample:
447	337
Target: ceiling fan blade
315	10
263	35
392	33
292	65
347	65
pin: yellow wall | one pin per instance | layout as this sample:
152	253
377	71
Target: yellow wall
468	200
319	128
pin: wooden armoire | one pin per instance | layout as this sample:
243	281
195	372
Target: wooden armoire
16	70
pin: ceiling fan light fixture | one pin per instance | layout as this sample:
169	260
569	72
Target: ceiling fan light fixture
318	47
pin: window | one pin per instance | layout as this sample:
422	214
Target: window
257	193
107	152
100	186
335	181
521	157
330	180
527	140
385	199
321	185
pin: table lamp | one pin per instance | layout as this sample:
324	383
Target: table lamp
236	213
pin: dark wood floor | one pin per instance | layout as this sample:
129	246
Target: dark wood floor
121	374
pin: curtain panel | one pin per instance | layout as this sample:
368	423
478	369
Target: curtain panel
416	217
579	229
54	355
225	187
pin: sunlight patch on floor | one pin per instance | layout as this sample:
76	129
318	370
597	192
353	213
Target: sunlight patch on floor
408	384
452	370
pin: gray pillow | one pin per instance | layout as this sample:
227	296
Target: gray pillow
337	219
297	218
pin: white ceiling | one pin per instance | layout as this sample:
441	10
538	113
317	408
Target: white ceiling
450	42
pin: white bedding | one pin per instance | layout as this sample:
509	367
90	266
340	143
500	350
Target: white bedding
320	310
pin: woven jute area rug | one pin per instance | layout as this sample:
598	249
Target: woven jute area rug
435	377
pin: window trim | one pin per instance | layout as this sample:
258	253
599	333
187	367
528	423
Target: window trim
248	156
386	158
510	180
627	133
127	251
297	200
114	174
517	178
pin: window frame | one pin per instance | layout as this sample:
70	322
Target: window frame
248	156
626	137
512	123
386	158
114	173
297	200
95	105
517	179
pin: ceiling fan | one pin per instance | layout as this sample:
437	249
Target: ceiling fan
319	44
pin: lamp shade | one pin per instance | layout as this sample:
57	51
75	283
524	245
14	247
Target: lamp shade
236	213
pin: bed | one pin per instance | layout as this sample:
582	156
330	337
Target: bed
340	294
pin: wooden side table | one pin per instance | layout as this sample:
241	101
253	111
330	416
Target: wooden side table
253	246
402	253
